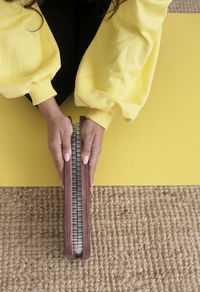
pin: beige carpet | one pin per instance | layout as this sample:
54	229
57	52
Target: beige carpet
184	6
142	239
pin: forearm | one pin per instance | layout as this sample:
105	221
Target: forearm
49	108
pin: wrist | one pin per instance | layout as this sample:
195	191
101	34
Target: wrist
49	108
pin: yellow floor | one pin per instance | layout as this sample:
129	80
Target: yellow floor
162	145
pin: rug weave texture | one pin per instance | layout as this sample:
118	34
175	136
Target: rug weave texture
184	6
143	238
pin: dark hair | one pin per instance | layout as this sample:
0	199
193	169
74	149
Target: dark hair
39	2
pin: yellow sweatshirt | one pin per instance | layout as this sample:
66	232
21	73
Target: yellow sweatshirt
115	73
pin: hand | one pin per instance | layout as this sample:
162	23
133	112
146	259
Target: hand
59	141
92	135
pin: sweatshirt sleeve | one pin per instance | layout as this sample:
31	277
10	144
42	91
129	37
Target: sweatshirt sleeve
116	71
28	60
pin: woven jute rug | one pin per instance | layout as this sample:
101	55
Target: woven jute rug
143	238
184	6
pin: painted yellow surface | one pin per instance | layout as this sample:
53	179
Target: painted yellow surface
161	146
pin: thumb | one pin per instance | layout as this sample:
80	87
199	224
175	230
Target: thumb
86	150
67	148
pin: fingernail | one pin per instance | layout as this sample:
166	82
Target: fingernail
85	159
66	156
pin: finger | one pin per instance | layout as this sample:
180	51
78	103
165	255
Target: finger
95	152
87	145
56	151
66	145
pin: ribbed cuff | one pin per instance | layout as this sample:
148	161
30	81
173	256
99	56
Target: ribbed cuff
100	117
42	91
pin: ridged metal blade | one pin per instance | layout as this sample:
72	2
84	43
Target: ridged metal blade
77	224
